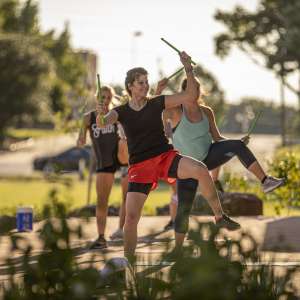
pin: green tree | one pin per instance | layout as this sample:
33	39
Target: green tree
69	70
19	18
65	82
8	16
270	36
23	67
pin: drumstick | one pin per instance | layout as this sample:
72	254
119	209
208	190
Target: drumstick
254	123
99	95
175	73
173	47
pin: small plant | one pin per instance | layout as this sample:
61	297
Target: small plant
240	184
287	164
210	266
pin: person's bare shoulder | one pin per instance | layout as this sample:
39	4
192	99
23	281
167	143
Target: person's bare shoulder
174	111
154	97
207	110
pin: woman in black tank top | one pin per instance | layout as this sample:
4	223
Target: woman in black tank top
110	152
151	157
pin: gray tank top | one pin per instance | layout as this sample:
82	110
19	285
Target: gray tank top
105	142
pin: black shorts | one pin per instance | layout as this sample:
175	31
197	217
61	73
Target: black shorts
113	169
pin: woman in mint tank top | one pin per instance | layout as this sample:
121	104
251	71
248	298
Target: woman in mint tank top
196	134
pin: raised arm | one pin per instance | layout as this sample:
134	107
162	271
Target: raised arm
191	94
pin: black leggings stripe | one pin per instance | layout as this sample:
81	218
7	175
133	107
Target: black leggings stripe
186	192
219	153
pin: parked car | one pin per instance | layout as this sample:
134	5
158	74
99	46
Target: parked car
72	159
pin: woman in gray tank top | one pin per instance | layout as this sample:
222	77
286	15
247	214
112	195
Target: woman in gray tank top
109	146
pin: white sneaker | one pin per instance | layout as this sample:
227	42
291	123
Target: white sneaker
117	235
272	183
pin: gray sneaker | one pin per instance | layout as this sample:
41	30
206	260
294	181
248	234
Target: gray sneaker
228	223
117	235
272	183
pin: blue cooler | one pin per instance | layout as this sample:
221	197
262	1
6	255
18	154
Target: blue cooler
24	219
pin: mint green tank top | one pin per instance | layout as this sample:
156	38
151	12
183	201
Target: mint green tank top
192	139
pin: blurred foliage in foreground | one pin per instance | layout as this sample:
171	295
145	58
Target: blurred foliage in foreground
210	267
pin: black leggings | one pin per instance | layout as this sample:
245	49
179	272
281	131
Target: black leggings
218	154
221	152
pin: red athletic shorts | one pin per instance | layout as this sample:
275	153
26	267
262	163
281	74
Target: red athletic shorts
153	169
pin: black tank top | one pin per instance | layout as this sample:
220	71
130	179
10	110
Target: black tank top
105	142
144	129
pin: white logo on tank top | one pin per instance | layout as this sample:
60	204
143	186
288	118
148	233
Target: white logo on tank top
105	130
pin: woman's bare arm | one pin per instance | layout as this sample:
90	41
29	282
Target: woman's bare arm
213	128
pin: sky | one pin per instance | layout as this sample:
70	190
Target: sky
107	28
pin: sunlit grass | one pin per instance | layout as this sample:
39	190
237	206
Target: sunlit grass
35	192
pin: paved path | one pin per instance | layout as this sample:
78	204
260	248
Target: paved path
151	239
151	244
20	162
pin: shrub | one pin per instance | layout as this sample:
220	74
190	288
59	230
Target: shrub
287	164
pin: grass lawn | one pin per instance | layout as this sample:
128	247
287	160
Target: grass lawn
35	192
23	133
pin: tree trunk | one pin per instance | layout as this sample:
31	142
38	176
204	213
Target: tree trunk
299	92
282	114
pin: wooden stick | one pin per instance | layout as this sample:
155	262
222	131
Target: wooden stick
254	123
99	95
